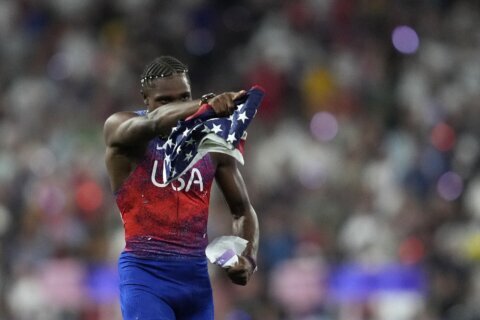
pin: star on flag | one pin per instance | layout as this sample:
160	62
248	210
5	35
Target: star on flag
204	132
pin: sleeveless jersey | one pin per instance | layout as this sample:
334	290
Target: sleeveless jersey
165	219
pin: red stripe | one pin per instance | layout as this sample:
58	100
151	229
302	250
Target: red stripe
204	107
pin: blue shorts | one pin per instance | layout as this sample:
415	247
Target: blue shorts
164	288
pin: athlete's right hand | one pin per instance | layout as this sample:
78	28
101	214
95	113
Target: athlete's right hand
223	104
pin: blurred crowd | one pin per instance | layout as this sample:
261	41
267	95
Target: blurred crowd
362	164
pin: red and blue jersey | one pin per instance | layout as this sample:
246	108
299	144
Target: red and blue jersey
166	219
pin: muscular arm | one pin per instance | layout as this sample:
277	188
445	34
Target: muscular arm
245	222
127	129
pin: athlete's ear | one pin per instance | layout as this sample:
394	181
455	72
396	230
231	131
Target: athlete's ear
145	98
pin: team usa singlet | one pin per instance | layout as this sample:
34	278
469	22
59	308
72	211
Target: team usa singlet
163	270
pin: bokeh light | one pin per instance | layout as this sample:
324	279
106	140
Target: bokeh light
405	39
89	196
5	219
51	199
324	126
58	67
312	178
443	137
44	162
450	186
433	163
238	314
411	250
102	283
472	246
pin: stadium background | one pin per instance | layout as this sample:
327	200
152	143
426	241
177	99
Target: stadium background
362	164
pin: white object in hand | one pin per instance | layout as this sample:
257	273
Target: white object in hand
224	250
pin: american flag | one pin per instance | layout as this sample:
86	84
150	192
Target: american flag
204	132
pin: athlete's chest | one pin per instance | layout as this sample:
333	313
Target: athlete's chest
197	179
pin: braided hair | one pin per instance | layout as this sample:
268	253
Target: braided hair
161	67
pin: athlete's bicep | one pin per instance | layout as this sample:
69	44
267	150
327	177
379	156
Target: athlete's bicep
232	185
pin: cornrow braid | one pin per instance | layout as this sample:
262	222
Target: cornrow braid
161	67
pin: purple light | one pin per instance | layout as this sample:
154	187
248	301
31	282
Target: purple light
405	39
102	283
312	178
58	67
324	126
450	186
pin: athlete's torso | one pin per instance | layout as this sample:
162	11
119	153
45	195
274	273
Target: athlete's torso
164	219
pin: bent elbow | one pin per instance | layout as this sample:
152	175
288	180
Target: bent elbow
163	123
241	210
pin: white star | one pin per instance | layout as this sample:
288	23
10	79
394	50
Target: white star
189	141
231	138
242	117
185	133
169	143
230	118
174	129
217	129
188	156
167	158
179	149
206	129
174	172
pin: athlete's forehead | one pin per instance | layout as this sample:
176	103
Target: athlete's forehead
170	86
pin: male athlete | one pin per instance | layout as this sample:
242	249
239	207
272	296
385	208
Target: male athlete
163	269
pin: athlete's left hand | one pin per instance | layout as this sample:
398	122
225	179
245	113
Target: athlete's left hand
241	272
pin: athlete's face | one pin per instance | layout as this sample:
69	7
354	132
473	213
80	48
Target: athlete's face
175	88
